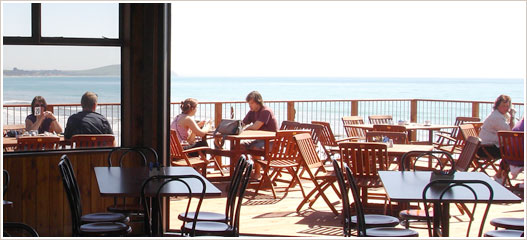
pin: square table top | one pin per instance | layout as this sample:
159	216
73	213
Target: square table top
117	181
408	186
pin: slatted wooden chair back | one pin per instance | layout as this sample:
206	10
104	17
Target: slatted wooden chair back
511	145
468	154
176	149
364	159
380	119
462	120
397	137
93	140
289	125
327	138
389	128
353	131
284	146
467	130
315	130
308	152
32	143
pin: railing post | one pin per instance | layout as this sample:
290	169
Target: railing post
218	113
413	110
291	112
475	109
354	108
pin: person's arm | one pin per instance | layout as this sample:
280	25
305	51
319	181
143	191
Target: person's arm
68	132
193	126
55	125
256	125
263	118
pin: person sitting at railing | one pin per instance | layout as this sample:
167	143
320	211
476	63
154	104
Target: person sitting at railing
40	119
88	121
502	118
260	117
187	129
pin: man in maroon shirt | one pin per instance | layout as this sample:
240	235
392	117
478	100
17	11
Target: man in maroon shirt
260	117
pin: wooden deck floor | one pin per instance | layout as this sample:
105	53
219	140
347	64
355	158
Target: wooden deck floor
264	216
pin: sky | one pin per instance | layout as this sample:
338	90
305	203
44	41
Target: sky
471	39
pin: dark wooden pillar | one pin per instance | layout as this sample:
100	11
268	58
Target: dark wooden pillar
145	73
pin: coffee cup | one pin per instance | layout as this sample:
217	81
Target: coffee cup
427	122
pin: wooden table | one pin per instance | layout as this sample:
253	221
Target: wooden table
127	182
408	186
411	128
236	146
398	150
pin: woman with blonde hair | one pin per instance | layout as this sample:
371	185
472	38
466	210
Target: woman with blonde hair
186	127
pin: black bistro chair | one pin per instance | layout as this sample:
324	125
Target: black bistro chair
365	227
444	187
16	229
230	228
514	227
151	207
95	224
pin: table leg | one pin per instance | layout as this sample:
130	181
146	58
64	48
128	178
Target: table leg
446	220
430	136
235	156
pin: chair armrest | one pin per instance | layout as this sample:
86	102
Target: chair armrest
198	149
348	139
448	137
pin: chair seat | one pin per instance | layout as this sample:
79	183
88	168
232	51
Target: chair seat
390	232
375	220
203	216
504	233
204	228
129	208
279	163
105	228
508	223
368	182
419	214
104	217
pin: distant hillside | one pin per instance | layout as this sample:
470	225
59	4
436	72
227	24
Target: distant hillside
110	70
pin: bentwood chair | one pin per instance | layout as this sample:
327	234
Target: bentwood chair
284	155
22	229
230	204
37	143
319	176
380	119
230	228
366	159
95	224
514	227
355	132
444	187
7	179
92	140
181	157
512	151
367	225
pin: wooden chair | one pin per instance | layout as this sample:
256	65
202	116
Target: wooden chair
389	128
445	186
37	143
95	224
319	176
180	157
230	227
284	155
358	133
92	140
453	141
380	119
365	160
512	151
397	137
483	158
328	140
289	125
367	225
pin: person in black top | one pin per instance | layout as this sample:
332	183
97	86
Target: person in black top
87	121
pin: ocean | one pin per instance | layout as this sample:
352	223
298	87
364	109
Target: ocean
21	90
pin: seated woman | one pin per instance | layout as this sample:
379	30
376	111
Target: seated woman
186	127
502	118
40	119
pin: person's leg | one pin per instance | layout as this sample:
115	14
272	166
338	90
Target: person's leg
257	145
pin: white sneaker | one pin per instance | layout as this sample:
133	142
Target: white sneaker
499	180
515	170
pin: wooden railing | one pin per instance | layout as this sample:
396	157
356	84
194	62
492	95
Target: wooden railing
413	110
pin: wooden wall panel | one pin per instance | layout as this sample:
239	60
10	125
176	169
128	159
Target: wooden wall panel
38	195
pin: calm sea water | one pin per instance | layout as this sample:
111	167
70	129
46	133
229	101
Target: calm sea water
69	89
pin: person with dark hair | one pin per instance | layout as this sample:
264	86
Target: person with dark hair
186	127
88	121
501	118
260	117
40	119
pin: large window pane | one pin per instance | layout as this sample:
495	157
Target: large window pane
18	15
86	20
61	74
